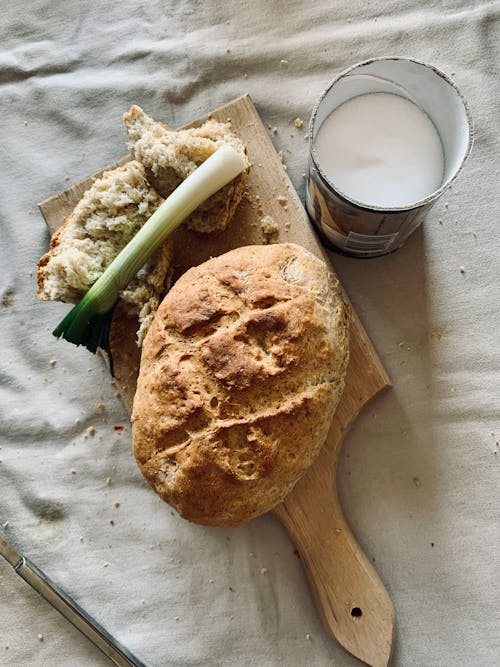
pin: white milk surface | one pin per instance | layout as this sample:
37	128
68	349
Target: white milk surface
381	150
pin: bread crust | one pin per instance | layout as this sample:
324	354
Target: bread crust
241	372
41	273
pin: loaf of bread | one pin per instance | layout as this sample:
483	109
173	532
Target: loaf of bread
109	214
170	156
241	372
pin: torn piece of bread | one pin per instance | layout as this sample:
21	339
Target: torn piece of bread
170	156
241	373
109	214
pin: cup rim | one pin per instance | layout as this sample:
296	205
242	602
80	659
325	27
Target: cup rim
420	202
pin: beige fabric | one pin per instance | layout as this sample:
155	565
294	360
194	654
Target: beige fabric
420	468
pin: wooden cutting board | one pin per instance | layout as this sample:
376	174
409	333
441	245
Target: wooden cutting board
350	596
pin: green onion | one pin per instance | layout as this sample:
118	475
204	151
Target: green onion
88	323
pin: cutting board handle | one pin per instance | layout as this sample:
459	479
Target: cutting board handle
350	596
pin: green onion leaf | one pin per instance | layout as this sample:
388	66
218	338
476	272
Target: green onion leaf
88	323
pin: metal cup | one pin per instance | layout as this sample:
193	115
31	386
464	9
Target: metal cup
357	228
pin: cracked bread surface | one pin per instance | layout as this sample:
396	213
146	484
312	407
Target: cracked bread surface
170	156
241	372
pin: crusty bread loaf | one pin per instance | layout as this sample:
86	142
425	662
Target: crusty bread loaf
109	214
241	372
170	156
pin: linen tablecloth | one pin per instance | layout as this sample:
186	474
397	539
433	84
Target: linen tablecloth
419	473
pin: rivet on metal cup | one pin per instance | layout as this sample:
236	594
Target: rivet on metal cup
387	138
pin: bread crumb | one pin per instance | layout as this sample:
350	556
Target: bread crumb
117	503
263	570
280	154
338	531
298	122
282	200
105	564
39	637
100	406
436	334
8	299
446	204
53	362
269	228
91	430
440	220
308	637
416	481
462	269
283	62
73	471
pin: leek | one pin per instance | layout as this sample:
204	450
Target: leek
88	323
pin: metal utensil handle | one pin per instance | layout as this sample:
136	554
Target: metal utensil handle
76	615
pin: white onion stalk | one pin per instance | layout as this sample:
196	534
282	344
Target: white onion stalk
88	322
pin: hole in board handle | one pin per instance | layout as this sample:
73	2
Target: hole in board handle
356	612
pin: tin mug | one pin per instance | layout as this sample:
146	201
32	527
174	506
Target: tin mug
358	228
